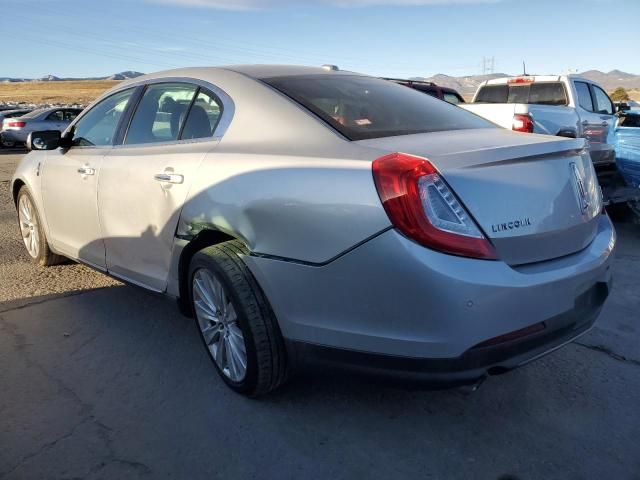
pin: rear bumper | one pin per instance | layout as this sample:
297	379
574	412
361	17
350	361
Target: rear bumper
393	298
477	362
13	136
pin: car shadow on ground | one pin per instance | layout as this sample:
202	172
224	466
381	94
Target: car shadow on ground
115	382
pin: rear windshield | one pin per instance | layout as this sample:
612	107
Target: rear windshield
540	93
365	107
35	113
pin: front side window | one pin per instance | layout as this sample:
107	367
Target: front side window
584	96
603	102
161	113
364	107
70	115
98	126
202	118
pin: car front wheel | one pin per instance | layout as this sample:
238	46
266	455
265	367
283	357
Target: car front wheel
32	232
235	321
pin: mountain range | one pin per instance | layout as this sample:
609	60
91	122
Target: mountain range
465	85
52	78
469	84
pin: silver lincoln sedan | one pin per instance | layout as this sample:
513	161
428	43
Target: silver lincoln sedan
307	214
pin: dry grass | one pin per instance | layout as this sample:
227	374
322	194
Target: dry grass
634	94
82	91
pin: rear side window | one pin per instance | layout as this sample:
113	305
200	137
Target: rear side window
57	116
452	98
584	96
363	107
539	93
203	117
160	114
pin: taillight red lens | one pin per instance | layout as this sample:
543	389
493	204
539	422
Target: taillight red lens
522	123
422	206
16	124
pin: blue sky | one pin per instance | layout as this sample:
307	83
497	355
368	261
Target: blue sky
381	37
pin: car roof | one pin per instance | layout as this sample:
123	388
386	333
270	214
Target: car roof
537	78
256	72
15	110
269	71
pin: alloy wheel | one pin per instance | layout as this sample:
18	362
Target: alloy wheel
218	322
29	226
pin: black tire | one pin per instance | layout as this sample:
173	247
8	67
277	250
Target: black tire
266	354
45	256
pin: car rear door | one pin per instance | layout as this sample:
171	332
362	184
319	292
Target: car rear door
70	179
596	120
144	181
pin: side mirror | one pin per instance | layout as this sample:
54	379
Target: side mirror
45	140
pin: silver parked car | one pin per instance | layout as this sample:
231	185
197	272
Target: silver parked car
17	129
13	113
302	213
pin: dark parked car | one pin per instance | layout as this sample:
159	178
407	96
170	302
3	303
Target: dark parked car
443	93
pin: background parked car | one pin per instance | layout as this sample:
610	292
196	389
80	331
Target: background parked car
627	142
563	105
443	93
11	113
17	129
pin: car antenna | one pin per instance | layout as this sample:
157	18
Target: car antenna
524	69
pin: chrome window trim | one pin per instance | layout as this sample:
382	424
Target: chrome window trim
228	112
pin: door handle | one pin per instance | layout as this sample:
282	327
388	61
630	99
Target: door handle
87	170
605	124
168	178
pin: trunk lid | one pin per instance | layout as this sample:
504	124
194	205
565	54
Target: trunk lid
535	197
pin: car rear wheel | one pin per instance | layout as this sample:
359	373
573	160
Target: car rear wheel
33	236
235	321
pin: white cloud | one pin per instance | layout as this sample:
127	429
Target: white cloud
263	4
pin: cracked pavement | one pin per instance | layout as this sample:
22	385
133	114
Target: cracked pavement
104	381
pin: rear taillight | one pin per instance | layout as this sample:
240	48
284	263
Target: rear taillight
522	123
421	205
15	124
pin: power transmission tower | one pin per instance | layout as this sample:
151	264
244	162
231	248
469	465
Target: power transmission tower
488	65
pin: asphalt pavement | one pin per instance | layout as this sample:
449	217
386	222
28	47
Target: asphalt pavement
99	380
